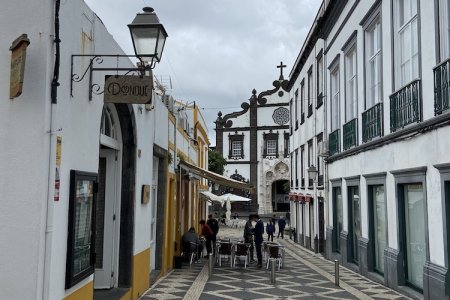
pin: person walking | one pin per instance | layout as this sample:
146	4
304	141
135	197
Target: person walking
248	236
208	234
281	226
214	225
259	231
270	229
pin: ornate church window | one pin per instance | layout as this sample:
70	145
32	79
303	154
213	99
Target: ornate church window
270	144
236	146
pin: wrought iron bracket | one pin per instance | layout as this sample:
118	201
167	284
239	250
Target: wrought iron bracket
94	65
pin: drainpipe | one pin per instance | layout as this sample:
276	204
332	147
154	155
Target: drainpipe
48	213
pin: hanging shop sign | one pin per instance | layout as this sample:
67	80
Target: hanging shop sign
129	89
18	54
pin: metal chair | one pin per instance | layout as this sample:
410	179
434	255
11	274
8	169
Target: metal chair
190	251
265	248
225	249
241	250
275	252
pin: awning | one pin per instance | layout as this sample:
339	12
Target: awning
216	178
233	198
210	196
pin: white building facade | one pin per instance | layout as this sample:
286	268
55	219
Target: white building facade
386	127
255	144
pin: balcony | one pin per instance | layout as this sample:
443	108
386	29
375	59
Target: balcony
333	142
349	132
441	87
406	106
310	110
372	122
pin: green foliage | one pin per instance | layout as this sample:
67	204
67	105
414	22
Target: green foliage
216	162
169	158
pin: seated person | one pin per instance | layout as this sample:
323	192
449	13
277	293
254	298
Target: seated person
191	243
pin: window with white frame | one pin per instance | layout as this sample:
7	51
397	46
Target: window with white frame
335	94
444	29
296	109
373	63
270	144
406	42
302	100
319	80
310	90
351	90
271	147
236	146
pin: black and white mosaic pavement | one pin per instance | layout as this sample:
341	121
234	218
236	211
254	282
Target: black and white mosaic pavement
305	275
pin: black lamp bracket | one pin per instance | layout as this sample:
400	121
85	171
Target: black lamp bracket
95	63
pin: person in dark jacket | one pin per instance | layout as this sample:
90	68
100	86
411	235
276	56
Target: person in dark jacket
214	225
270	229
191	243
281	225
259	231
248	236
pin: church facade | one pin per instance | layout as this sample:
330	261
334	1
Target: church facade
255	144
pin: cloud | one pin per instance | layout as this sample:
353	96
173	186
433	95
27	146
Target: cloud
218	50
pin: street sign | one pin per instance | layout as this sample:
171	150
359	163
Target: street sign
128	89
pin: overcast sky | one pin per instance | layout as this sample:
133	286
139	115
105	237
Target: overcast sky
218	50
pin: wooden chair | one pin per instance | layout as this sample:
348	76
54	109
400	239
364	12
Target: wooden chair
241	250
225	249
275	252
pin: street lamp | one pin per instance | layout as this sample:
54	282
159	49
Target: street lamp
312	174
148	36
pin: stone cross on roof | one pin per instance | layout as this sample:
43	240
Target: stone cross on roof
281	66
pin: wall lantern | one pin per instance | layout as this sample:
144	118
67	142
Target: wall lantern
148	36
312	172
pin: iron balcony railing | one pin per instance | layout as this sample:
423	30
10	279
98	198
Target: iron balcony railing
349	133
372	122
441	87
333	142
406	106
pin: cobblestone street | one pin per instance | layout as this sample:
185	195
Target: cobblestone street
304	275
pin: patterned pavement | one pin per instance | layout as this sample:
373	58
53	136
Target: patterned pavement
304	275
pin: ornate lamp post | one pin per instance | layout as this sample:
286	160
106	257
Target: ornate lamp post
312	174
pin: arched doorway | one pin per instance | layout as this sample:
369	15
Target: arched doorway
115	203
280	196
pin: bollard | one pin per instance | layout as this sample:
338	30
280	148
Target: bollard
336	272
210	264
273	271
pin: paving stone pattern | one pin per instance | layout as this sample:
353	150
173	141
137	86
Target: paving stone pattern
304	275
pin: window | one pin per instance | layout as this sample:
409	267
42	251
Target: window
302	101
302	165
292	169
270	144
80	241
319	80
335	98
236	146
296	109
373	63
444	29
290	119
310	160
406	45
320	168
296	168
310	92
351	92
286	144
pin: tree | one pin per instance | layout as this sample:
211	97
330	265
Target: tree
216	162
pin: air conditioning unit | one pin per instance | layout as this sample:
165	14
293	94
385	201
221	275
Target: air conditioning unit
169	102
323	149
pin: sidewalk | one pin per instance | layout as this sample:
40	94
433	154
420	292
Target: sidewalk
304	275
